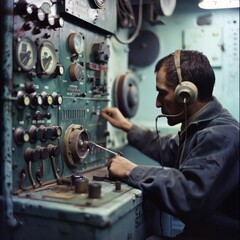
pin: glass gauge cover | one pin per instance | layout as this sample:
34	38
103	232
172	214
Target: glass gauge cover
26	53
47	58
76	43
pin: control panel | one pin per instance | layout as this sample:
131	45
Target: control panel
59	88
56	80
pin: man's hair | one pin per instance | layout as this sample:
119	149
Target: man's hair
195	67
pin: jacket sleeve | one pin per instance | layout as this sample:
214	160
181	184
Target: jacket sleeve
202	182
146	141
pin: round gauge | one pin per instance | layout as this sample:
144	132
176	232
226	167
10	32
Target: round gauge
76	43
47	58
76	72
26	53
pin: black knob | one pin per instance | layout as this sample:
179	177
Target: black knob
81	185
57	99
23	8
94	190
75	176
54	151
31	155
21	136
47	132
58	22
43	152
56	131
23	99
36	99
29	87
35	133
27	26
47	99
118	186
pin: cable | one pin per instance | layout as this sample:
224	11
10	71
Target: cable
133	37
185	139
158	137
125	13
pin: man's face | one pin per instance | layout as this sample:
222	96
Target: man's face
166	100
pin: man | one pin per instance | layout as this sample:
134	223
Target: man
200	183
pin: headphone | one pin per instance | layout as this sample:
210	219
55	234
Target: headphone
186	91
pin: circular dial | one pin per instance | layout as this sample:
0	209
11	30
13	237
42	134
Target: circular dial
127	94
76	43
76	72
74	149
47	58
99	3
26	53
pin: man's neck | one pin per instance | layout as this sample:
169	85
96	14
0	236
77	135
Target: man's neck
192	111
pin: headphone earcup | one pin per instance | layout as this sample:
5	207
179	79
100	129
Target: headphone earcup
186	92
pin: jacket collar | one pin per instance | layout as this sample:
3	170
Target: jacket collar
208	112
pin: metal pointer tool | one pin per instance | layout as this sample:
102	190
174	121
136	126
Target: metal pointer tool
106	149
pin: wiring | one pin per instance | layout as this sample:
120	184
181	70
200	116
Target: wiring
128	12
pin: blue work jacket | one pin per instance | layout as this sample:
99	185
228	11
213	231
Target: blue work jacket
199	183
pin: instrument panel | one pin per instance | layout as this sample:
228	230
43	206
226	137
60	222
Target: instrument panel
57	81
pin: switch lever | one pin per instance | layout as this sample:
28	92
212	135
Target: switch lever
89	143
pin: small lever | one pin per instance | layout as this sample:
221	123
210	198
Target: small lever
106	149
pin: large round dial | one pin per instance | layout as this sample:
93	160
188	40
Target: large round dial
26	54
74	150
76	43
47	58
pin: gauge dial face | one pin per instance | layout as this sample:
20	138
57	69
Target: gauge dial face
76	43
47	58
76	72
26	54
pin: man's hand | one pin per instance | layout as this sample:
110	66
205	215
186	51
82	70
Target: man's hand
120	167
115	117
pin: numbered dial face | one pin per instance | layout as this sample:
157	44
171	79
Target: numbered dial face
47	58
26	54
76	43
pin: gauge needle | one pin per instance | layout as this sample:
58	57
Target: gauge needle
47	61
24	57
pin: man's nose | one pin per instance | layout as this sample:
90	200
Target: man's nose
158	103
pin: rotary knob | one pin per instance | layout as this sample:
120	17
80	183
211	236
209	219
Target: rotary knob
94	190
31	155
47	99
36	99
23	8
57	99
35	133
54	151
21	136
23	99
